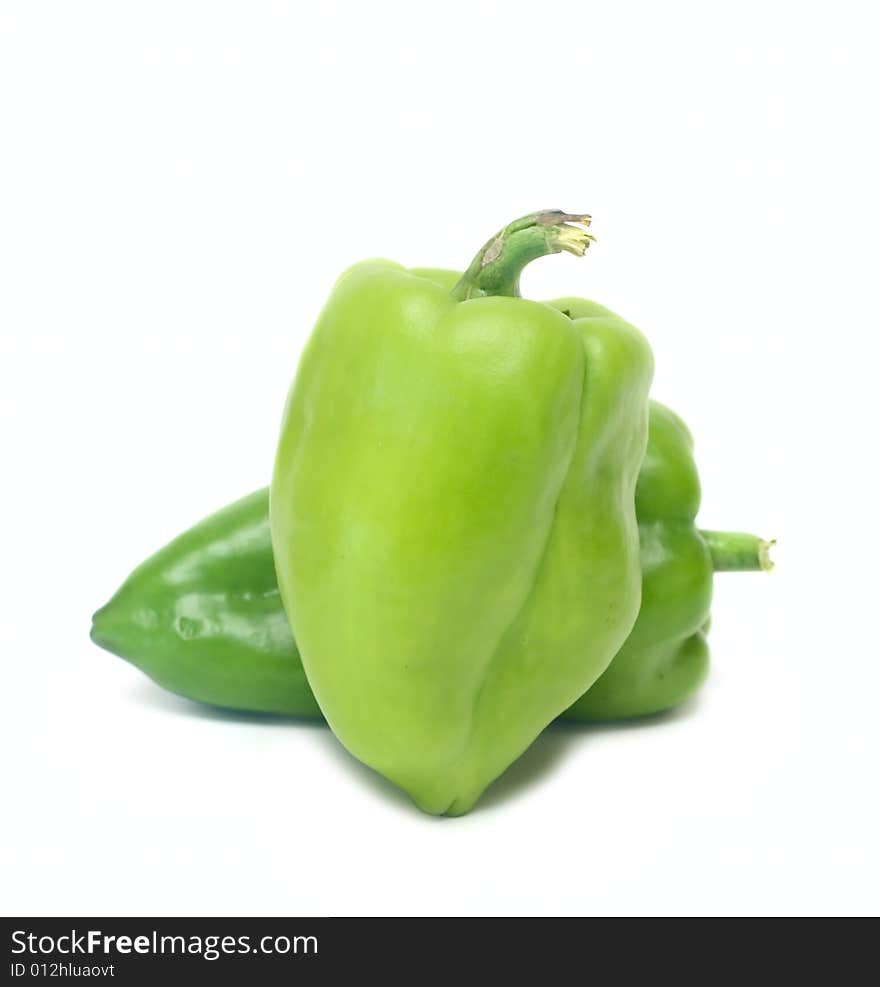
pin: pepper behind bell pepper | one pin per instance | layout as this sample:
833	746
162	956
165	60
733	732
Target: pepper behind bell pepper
203	616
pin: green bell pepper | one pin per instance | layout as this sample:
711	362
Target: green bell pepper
203	616
452	511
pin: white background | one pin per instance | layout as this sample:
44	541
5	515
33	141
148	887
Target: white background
182	182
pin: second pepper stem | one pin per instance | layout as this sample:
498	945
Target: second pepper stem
736	551
497	267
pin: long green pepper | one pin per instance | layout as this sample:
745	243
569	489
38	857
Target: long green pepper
203	616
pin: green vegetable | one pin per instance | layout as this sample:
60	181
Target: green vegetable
452	511
203	616
665	659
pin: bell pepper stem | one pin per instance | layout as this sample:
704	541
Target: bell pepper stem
736	551
497	267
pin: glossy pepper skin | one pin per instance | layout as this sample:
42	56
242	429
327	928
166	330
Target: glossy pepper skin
452	512
203	616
